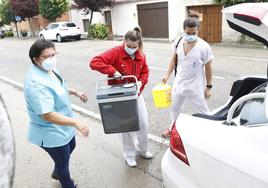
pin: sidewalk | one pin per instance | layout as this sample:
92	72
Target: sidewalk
96	162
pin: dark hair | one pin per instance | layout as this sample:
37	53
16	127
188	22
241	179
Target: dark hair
135	35
192	20
38	47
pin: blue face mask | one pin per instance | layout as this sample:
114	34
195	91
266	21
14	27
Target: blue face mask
49	63
130	51
190	38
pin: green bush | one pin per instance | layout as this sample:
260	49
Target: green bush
98	31
9	34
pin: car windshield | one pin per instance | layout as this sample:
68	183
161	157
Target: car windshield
69	25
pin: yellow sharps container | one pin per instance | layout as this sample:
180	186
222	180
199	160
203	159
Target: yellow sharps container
162	95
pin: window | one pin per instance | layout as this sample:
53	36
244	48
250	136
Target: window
253	113
69	25
53	26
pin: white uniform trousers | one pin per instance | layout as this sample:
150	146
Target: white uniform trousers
198	102
137	140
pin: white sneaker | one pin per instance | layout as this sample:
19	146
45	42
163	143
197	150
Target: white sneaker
131	161
145	154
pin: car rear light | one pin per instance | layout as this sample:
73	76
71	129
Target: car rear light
176	145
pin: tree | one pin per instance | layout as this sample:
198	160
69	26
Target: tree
7	15
91	6
25	9
51	9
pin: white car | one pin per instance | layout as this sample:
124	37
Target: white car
229	147
60	31
7	148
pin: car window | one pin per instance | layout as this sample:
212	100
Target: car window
49	26
69	25
53	26
253	113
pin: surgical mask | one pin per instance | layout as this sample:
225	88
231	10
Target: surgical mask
49	63
190	38
130	51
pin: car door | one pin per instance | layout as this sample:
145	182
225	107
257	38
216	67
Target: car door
230	155
46	32
53	31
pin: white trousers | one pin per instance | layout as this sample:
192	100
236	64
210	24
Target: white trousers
138	140
198	102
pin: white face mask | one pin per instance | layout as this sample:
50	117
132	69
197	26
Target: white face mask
190	38
49	63
130	51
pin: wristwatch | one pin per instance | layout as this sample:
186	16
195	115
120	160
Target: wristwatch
209	86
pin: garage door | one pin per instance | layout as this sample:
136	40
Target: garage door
153	19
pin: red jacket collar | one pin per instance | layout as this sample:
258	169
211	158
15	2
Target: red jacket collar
138	54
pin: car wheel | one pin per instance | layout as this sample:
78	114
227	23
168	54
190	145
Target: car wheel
7	148
78	38
59	38
42	37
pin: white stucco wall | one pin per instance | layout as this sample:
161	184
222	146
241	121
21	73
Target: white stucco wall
77	17
198	2
176	16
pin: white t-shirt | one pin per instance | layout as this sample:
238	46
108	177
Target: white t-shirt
190	78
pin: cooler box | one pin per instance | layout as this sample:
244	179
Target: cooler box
118	107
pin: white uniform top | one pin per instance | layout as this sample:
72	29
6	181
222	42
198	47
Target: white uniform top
190	78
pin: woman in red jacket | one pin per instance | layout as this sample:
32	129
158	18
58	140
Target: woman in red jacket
128	59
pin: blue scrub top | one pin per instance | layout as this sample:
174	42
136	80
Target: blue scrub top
43	94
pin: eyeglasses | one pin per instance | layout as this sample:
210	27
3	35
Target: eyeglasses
49	56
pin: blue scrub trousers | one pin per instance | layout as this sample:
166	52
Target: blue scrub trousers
61	156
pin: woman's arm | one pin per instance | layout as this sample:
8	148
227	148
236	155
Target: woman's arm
59	119
77	93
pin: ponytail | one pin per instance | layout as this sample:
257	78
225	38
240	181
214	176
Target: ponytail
192	20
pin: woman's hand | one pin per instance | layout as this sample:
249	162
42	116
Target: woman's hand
82	97
165	79
79	94
207	93
83	129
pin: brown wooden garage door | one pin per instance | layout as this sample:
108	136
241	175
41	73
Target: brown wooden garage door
211	23
153	19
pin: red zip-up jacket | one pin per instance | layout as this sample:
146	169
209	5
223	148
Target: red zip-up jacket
116	59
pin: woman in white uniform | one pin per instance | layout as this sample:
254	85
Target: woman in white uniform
194	72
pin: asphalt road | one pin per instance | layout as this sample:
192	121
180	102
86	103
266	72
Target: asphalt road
230	63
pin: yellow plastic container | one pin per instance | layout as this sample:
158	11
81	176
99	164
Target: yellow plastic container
162	95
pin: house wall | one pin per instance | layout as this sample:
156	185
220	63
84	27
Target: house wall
176	14
77	16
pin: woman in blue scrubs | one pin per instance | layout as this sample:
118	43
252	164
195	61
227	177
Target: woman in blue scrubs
52	124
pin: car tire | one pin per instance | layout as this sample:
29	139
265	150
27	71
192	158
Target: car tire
78	38
42	37
59	38
7	148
